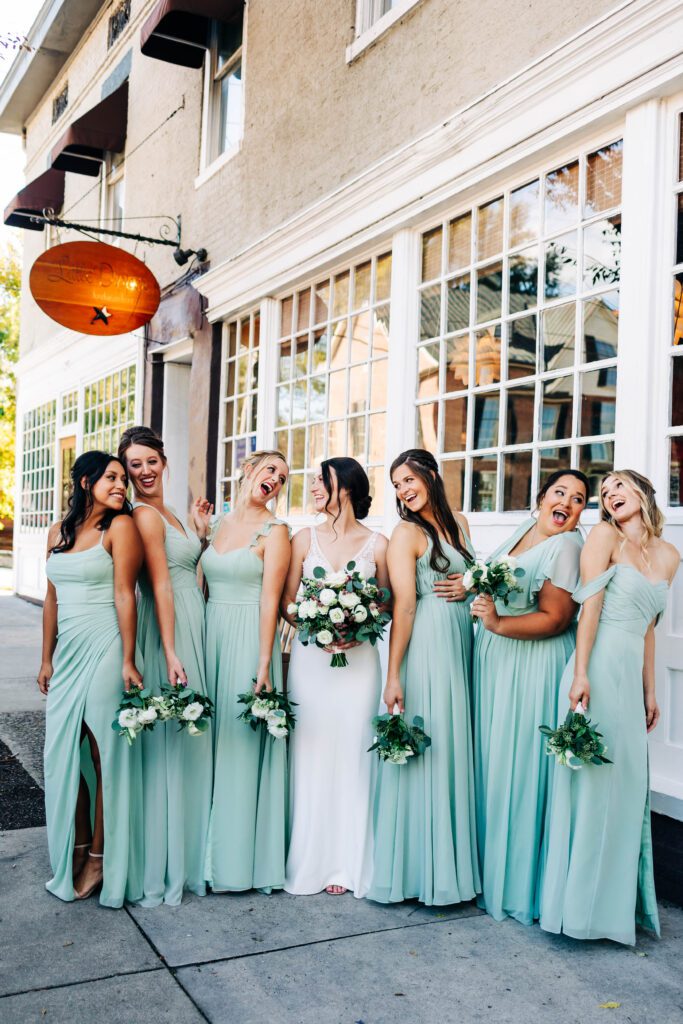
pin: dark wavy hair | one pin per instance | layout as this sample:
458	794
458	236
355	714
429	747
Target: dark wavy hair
352	478
555	476
425	466
144	436
92	466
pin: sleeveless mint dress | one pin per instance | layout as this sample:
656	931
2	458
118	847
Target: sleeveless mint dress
176	767
599	879
424	822
246	844
87	686
515	689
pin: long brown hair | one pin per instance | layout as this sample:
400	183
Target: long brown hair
425	466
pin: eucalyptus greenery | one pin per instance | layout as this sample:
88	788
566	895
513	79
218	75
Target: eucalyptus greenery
576	742
396	741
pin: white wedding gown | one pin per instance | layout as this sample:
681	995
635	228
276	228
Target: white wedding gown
331	773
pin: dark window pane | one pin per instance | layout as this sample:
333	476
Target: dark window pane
516	481
560	267
453	473
520	416
431	254
678	310
458	303
524	210
522	347
600	327
676	472
561	198
602	252
679	230
677	393
455	425
486	414
490	230
595	460
523	279
550	460
484	474
558	326
556	411
487	356
598	398
603	178
457	363
489	292
430	312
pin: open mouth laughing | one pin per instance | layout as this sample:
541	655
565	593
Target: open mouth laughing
266	489
560	517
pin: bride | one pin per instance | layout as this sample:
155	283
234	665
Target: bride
330	771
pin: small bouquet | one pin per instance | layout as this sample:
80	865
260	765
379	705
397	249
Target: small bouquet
271	711
396	741
576	742
496	578
342	606
138	710
192	710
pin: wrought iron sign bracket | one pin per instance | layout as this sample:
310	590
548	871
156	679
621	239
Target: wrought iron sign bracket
87	229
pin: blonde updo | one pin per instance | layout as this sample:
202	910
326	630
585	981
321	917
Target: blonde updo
253	463
650	513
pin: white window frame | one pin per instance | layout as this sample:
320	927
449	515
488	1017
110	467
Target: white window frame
673	352
113	175
371	24
211	160
252	392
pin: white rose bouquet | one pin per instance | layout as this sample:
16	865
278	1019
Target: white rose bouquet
339	607
138	711
576	742
270	711
396	741
192	710
497	578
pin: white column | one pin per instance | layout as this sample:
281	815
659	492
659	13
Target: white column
270	329
176	430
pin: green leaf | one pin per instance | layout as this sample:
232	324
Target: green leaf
350	566
319	572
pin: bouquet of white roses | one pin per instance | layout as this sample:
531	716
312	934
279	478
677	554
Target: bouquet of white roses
138	711
497	578
341	607
396	741
192	710
576	742
271	711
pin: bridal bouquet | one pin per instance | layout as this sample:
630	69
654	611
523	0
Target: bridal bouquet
271	711
138	710
576	742
496	578
342	607
396	741
192	710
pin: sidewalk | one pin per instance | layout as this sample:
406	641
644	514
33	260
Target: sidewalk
251	959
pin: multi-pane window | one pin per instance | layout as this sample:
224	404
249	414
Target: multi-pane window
239	401
517	351
38	467
226	117
331	393
676	360
108	410
69	408
117	22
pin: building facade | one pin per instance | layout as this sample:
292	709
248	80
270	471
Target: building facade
417	232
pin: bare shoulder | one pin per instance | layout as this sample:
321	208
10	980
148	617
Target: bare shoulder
54	533
461	520
407	536
123	529
279	534
672	558
381	544
149	522
301	541
602	537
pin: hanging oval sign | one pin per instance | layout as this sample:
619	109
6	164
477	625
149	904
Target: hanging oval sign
94	288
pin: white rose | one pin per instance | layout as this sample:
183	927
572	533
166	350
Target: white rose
278	731
468	580
311	609
337	615
360	613
147	716
128	719
484	574
324	637
348	599
193	711
276	723
292	608
336	579
510	561
374	610
193	730
260	708
397	757
327	597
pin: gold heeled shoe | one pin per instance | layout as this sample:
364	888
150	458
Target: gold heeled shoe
96	885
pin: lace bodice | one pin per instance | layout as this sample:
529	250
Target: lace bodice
364	559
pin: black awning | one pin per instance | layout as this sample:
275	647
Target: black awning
87	140
46	192
179	31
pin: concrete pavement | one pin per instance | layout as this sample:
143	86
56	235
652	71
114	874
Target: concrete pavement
251	958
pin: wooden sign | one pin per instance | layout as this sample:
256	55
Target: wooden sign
94	288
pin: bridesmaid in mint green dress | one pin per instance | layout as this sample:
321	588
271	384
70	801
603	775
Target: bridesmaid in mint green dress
424	822
94	555
599	877
176	767
245	566
520	652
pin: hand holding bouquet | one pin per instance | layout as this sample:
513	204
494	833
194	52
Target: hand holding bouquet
576	742
192	710
342	607
268	710
495	579
396	741
138	710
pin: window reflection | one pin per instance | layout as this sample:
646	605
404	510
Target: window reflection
561	198
431	254
560	267
486	413
595	460
459	242
523	280
484	475
453	473
558	331
457	363
428	370
524	213
603	178
490	229
455	425
487	348
522	347
427	425
520	415
516	481
430	312
458	303
601	327
550	460
556	410
602	252
489	292
676	472
598	398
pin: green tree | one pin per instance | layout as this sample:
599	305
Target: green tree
10	290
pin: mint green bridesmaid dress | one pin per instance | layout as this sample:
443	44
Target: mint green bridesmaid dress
599	880
176	767
424	822
246	845
86	687
515	689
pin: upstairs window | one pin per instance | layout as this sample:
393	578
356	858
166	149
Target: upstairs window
226	101
60	103
118	22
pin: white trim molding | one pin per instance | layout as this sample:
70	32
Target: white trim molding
371	26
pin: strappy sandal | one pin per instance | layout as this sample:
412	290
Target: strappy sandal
97	884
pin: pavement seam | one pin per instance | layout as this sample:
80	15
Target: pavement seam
83	981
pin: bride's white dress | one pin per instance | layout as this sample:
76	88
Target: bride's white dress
331	774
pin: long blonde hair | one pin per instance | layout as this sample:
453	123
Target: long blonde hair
255	461
650	513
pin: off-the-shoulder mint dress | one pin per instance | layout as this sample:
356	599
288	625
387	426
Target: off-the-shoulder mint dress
515	689
599	880
246	847
424	825
176	767
86	687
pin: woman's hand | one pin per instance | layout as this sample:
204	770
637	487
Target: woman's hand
580	692
651	712
263	683
451	588
131	676
393	695
484	608
201	512
175	671
44	677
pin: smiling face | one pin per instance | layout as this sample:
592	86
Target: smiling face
320	494
562	505
265	480
146	471
619	499
110	490
410	488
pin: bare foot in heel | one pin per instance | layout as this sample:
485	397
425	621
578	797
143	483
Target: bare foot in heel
79	858
90	878
335	890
